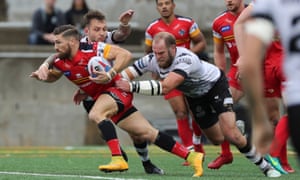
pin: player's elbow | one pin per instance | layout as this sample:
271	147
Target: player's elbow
127	56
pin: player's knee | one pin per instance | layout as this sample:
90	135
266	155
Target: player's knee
137	139
94	116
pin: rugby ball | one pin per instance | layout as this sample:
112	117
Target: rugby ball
98	63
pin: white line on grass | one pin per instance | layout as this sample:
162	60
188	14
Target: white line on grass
63	175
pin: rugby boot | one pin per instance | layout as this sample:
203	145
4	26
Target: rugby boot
275	163
287	168
196	160
150	168
117	163
220	161
124	154
270	172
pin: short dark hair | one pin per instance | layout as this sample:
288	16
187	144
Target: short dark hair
93	14
66	31
157	1
85	6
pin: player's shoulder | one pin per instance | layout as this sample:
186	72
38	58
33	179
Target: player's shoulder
85	46
221	16
183	52
154	23
184	18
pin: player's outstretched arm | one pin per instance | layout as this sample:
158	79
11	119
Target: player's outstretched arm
52	75
151	87
124	29
43	70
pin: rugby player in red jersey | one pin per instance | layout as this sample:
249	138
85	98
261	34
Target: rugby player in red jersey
112	104
96	31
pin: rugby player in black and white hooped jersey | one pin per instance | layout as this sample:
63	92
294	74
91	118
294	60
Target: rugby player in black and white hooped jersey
96	31
285	16
205	87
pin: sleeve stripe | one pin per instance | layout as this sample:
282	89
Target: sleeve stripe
152	89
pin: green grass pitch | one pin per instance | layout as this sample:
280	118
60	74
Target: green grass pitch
82	163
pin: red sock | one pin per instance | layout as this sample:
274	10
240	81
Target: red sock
184	131
180	150
114	147
280	137
196	128
283	155
225	147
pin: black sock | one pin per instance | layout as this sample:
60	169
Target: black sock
164	141
142	150
108	130
250	153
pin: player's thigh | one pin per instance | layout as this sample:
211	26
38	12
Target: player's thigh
177	102
104	107
137	126
272	81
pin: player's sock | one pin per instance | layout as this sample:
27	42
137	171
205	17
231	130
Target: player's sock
225	147
167	143
110	136
196	128
250	153
294	124
142	150
198	147
280	137
185	132
243	120
283	155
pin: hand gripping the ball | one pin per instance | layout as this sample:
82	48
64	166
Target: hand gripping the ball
102	77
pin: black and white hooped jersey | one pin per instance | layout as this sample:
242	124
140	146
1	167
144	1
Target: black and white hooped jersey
107	40
200	76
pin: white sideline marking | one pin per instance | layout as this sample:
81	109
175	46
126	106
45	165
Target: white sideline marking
63	175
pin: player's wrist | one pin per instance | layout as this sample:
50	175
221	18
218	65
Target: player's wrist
111	73
132	86
122	24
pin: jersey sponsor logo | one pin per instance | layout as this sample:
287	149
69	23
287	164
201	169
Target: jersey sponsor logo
225	28
181	32
184	60
67	73
78	75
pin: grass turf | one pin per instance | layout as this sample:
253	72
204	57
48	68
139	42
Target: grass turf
82	163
